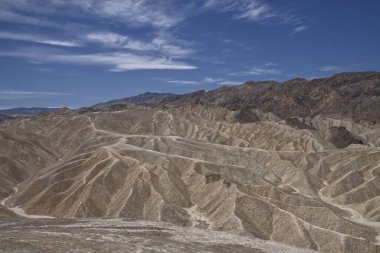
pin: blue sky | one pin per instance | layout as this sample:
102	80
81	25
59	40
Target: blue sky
80	52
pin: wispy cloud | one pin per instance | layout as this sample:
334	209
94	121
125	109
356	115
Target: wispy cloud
301	28
220	81
39	39
183	82
108	38
168	45
258	11
157	13
212	80
22	94
15	17
227	82
159	44
329	68
117	52
261	70
208	80
253	10
115	61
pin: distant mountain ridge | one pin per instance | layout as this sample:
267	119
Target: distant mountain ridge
26	111
354	94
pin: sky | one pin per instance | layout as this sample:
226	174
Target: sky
76	53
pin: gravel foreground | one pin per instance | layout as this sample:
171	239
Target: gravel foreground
121	235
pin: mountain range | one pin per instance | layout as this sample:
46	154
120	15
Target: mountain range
26	111
354	95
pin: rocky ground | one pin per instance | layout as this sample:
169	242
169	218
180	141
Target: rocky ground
122	235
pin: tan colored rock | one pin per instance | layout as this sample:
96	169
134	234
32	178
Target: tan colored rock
195	166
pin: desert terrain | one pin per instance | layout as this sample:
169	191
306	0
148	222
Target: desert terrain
191	177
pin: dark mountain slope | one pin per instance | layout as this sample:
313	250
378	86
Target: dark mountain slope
355	95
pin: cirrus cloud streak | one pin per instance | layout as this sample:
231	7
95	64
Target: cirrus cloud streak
22	94
115	61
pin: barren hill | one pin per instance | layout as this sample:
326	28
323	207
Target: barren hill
198	166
